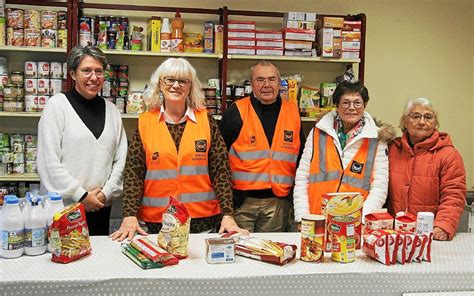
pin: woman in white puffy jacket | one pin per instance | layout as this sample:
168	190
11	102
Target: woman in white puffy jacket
344	152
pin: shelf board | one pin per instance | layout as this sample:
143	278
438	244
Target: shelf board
293	59
31	177
20	114
162	54
32	49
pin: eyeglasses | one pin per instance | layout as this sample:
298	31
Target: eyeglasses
88	72
262	80
428	117
170	81
347	104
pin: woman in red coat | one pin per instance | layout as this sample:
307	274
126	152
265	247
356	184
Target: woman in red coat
426	171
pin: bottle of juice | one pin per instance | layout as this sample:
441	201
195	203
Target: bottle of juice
177	26
165	35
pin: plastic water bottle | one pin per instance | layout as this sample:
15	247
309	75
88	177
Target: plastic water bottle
12	228
35	227
55	205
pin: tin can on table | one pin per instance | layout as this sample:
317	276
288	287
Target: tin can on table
312	238
343	244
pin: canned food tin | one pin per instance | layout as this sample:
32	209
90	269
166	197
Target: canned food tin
43	69
42	102
32	19
31	103
56	70
31	140
30	167
61	41
31	86
8	91
32	37
312	238
3	81
49	19
343	239
62	20
43	86
55	86
15	37
15	18
16	77
18	168
48	38
20	106
31	69
20	92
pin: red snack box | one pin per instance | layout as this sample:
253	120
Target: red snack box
379	220
405	222
376	246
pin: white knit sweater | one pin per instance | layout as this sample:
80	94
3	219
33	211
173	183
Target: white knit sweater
378	187
71	160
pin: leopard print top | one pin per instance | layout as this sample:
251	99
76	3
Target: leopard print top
219	172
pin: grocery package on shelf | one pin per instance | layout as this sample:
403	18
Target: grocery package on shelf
34	28
338	38
18	153
115	88
135	104
299	33
17	188
241	37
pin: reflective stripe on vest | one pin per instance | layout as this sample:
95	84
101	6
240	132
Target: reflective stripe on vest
364	183
244	176
277	155
280	179
251	155
184	198
171	174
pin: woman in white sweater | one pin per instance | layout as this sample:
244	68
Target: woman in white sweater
82	145
343	152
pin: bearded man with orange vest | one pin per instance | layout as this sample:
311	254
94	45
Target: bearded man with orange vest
344	152
263	134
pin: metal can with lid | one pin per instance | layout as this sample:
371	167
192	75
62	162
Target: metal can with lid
9	106
31	69
61	40
342	229
43	69
31	86
55	70
32	37
49	19
31	103
20	92
48	38
15	37
43	86
42	102
8	91
62	20
56	86
312	238
15	18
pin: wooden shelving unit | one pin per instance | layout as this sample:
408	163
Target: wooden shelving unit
20	178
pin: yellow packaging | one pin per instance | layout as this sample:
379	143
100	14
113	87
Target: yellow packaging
193	42
153	34
61	41
333	22
219	39
293	91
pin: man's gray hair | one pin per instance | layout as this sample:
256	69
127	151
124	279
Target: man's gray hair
264	64
79	52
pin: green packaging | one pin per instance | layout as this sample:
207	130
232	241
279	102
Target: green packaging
138	258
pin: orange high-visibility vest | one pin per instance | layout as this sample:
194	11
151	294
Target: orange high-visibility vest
327	174
183	174
253	163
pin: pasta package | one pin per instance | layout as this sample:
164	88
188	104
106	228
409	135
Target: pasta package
174	234
69	234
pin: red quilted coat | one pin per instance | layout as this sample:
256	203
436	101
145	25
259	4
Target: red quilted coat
429	177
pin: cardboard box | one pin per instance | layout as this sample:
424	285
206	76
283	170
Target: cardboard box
241	34
153	34
309	97
247	50
379	220
310	17
300	34
333	22
241	42
325	42
193	42
270	43
295	16
218	39
347	54
241	25
351	36
297	44
268	34
337	47
354	45
275	51
298	53
355	26
326	89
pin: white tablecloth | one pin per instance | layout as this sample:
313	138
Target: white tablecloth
108	271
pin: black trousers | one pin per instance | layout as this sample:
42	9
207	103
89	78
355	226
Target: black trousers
99	221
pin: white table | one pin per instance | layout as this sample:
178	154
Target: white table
108	271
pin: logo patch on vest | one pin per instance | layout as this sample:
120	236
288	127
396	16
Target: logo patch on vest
253	139
155	155
288	136
357	167
200	145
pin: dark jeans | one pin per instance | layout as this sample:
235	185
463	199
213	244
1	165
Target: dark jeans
99	221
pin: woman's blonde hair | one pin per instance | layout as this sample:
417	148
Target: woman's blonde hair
417	102
177	68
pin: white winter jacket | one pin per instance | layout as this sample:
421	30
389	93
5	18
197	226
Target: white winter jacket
378	188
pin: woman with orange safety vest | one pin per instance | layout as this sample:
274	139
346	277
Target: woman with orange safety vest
344	152
176	151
